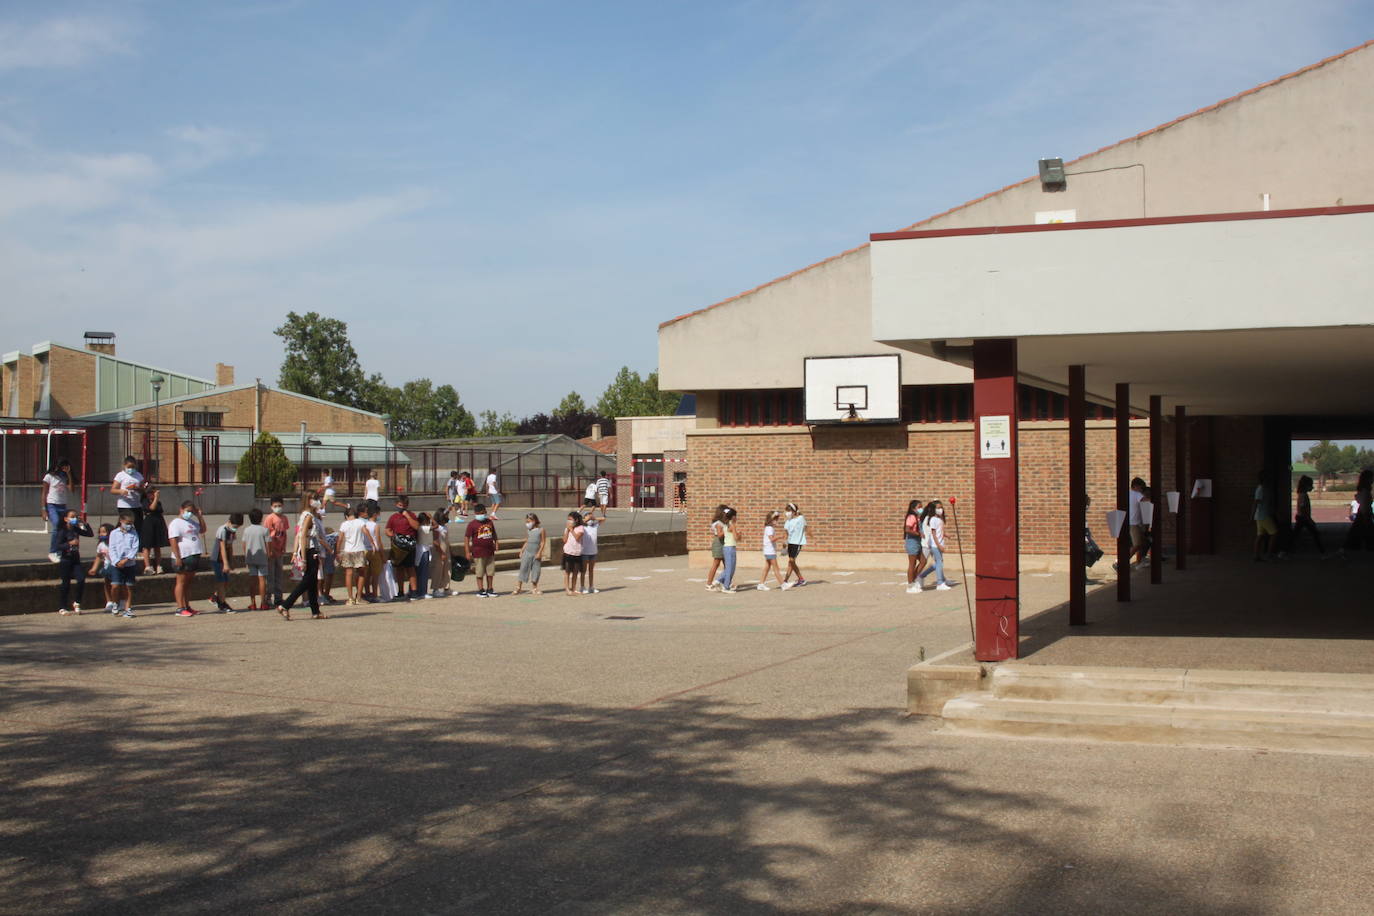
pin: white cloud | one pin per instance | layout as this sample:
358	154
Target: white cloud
75	183
69	41
209	144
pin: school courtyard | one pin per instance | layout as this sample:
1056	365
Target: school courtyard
652	749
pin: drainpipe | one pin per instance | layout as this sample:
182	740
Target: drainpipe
257	408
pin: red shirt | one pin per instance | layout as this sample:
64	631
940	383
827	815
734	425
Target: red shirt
400	523
482	534
277	526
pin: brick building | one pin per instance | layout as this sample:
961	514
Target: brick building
751	447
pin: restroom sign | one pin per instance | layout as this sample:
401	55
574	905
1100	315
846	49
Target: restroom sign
994	436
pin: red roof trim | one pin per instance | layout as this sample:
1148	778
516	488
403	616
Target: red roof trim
1119	223
1153	130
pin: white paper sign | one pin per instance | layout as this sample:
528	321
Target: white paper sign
994	436
1147	513
1116	518
1202	487
1173	496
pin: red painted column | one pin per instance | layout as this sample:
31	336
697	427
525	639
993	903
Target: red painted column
1078	496
1181	484
1161	504
997	591
1123	490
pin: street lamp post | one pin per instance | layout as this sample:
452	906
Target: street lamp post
156	381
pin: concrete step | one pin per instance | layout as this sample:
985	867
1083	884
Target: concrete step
1252	690
1149	723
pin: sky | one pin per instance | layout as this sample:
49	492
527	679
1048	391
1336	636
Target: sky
510	197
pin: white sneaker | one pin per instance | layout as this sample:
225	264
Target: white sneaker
63	611
786	586
76	608
761	587
112	607
53	558
913	588
942	587
585	592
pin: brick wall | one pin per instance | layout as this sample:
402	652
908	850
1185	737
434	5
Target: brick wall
854	485
73	382
23	374
281	412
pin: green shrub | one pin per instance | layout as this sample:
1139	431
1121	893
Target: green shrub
266	466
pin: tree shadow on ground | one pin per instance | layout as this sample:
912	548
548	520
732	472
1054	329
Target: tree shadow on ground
691	806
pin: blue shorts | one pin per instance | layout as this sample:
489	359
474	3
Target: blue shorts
913	546
122	575
221	575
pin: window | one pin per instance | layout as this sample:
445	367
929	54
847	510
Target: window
762	407
203	419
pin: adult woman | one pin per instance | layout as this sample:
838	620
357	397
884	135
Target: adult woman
57	483
915	556
933	543
152	536
1361	532
729	543
305	555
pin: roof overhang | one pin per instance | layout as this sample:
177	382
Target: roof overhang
1238	313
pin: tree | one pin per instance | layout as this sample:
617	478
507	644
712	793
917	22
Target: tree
628	395
492	425
266	466
418	410
571	404
577	425
1327	457
320	360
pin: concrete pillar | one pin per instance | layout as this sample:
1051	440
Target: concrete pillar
1123	490
1078	496
1182	485
1156	494
997	590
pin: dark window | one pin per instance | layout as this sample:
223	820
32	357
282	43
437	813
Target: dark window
203	419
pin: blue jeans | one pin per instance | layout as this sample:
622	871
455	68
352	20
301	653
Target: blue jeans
727	574
422	558
937	566
55	512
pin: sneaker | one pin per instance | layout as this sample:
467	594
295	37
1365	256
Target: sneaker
786	586
711	586
76	608
53	558
481	593
914	588
584	591
128	613
186	612
112	607
942	587
801	582
428	595
63	611
728	591
761	587
227	609
596	591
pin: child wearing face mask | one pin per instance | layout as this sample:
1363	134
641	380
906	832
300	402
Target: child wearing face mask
933	543
795	525
70	567
152	533
277	526
100	566
481	543
123	558
186	537
223	560
530	554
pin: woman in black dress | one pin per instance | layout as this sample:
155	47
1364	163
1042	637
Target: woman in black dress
153	535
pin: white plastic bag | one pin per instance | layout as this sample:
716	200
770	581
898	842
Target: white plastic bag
386	584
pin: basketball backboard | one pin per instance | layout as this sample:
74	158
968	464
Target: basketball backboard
853	389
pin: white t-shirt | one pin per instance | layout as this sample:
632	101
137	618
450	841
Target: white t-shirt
352	533
187	535
129	479
374	489
1261	503
591	492
57	489
491	483
1135	517
454	489
933	533
591	528
426	536
373	530
769	548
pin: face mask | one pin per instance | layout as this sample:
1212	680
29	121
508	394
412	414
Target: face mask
277	510
104	538
425	528
481	518
188	515
790	514
940	512
529	525
127	527
315	504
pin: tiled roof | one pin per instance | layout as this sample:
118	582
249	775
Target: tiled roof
605	445
929	219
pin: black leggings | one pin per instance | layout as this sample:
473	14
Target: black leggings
1304	523
69	568
309	583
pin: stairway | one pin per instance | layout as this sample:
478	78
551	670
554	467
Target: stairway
1311	713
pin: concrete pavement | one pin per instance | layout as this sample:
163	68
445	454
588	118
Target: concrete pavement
719	754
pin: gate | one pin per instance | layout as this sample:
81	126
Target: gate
209	459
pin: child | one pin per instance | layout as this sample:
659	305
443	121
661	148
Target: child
573	532
254	537
101	566
376	558
933	543
796	540
729	542
152	533
222	561
770	552
327	565
453	491
277	526
717	545
493	493
188	549
440	569
530	555
915	555
424	555
1302	519
481	543
353	545
469	494
124	548
589	548
74	528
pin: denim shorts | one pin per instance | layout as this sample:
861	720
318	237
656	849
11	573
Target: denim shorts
257	569
913	546
221	574
122	575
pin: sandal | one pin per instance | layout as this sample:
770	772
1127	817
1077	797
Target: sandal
285	614
320	616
